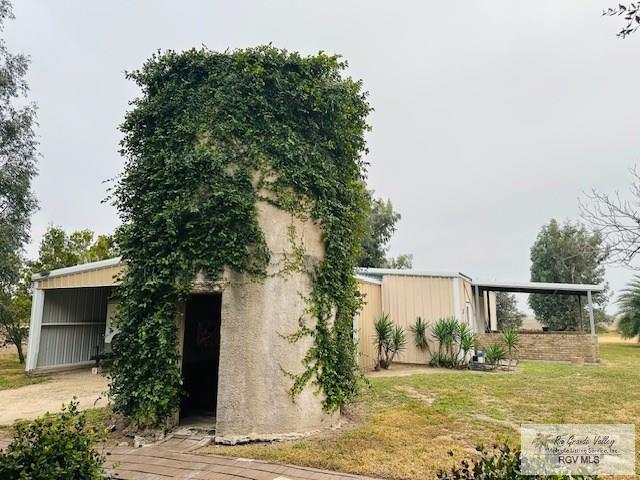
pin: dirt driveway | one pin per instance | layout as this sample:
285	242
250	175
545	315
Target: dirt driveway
31	401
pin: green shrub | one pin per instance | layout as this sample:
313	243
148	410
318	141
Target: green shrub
498	463
54	447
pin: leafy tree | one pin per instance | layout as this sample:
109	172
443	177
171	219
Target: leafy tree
507	311
402	262
381	225
15	310
629	302
18	167
58	249
17	157
631	15
567	253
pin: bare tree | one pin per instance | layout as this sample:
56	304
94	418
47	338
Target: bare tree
618	221
631	14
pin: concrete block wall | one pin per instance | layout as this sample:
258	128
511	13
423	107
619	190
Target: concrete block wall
551	346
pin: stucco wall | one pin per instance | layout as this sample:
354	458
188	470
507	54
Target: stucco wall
551	346
253	390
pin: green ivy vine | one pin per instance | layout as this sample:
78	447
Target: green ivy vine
209	135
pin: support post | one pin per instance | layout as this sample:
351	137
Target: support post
591	319
581	316
35	326
478	308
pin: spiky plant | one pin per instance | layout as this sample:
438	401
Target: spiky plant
398	343
511	340
495	354
468	342
419	330
629	302
462	331
383	328
444	331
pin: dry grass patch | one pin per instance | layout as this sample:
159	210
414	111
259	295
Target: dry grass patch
410	423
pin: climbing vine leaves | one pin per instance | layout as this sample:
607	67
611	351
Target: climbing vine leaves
210	136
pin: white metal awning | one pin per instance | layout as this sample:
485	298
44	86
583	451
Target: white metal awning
539	287
578	289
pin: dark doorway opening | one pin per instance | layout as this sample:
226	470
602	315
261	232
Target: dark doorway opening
200	358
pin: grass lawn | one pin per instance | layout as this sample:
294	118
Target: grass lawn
410	423
12	373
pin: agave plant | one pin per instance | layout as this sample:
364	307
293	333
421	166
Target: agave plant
511	340
629	301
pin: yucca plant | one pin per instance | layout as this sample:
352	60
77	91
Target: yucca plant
629	301
495	354
468	340
420	330
462	331
389	340
383	330
398	343
511	339
444	332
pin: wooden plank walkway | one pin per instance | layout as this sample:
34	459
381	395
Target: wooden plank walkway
175	459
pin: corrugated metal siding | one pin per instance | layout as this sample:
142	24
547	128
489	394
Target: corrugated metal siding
103	277
405	298
73	323
370	311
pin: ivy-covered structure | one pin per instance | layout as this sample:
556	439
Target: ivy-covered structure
242	203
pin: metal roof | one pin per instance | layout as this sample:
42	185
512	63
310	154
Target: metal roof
366	279
83	267
380	272
374	275
539	287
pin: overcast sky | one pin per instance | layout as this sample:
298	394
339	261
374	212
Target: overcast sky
491	117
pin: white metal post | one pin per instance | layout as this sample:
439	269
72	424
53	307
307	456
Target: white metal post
35	325
591	319
457	307
478	308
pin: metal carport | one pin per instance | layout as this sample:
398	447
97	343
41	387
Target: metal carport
575	289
